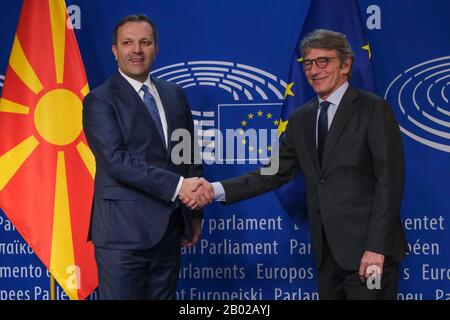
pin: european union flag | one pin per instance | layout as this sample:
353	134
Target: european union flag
342	16
254	132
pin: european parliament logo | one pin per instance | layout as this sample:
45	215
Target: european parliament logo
235	108
421	95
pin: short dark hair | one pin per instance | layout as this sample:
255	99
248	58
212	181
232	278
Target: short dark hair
134	18
328	40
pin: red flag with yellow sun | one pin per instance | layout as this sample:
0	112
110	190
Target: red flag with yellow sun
46	167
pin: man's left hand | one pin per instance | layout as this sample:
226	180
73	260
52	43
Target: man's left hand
196	232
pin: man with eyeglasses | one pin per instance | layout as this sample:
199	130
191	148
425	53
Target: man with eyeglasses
347	143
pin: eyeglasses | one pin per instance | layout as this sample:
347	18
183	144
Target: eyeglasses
321	62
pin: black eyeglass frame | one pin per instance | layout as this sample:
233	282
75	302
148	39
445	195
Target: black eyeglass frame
320	62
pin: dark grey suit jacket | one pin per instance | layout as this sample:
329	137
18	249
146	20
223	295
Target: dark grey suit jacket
135	177
355	198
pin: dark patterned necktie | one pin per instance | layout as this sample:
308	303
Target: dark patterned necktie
322	129
150	103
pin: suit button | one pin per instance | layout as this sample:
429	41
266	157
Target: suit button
322	181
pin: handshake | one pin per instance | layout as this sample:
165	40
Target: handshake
195	193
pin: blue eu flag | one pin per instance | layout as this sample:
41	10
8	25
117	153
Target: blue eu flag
342	16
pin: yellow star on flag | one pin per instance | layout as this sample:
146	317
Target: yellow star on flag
269	116
251	148
275	122
367	47
260	113
250	116
243	123
269	148
288	91
282	126
243	141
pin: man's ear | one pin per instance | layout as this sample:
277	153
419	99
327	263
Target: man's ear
346	65
114	51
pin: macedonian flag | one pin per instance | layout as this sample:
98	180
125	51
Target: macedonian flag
46	167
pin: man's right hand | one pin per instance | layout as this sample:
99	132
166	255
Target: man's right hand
195	193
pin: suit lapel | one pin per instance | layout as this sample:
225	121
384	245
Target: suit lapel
164	99
130	96
133	100
343	114
310	132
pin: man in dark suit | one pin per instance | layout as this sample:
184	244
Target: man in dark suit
348	145
137	222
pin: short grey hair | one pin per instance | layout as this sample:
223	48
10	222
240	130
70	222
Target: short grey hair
328	40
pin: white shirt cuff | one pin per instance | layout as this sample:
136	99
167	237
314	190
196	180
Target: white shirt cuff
219	191
177	190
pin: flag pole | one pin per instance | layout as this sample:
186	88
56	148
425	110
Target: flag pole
52	287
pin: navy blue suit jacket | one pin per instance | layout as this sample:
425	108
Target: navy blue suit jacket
135	178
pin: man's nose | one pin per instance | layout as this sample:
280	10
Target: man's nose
137	48
314	68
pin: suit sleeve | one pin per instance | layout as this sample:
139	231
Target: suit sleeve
105	139
386	146
284	162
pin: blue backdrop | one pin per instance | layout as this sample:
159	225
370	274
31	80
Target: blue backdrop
233	57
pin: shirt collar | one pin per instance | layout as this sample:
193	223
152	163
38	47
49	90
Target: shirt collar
137	85
336	97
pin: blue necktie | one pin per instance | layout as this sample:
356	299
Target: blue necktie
150	103
322	129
